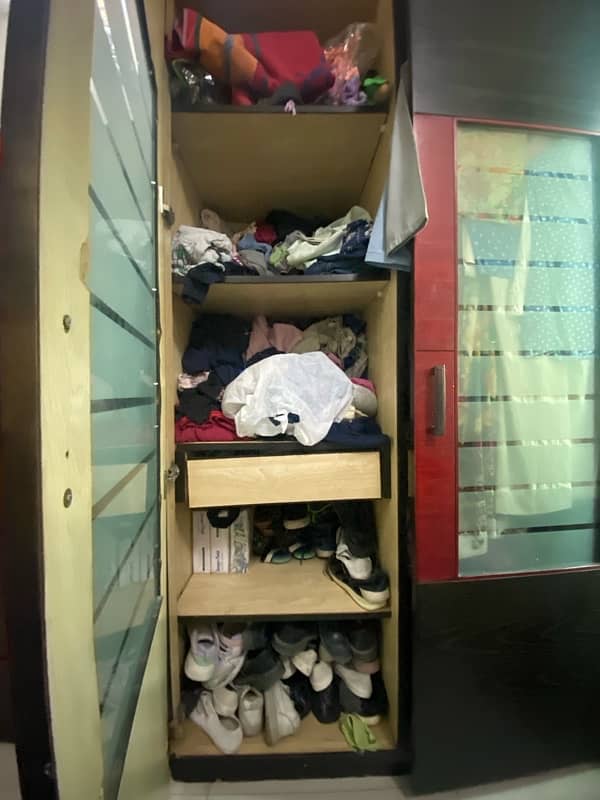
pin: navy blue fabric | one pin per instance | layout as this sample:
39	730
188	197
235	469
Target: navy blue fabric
335	265
198	279
217	341
363	429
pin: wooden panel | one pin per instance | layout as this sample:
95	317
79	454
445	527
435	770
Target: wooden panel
291	299
310	163
527	62
283	479
325	17
435	473
312	737
296	589
505	678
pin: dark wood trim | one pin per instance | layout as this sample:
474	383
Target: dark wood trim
21	486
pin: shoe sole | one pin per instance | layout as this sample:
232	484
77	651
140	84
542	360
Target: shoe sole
371	654
324	553
290	649
296	524
368	605
195	672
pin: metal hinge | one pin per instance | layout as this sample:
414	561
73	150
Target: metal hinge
171	475
164	209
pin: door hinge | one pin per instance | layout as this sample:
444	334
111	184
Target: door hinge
164	209
171	475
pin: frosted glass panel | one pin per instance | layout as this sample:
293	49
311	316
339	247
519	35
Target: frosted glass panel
528	370
124	383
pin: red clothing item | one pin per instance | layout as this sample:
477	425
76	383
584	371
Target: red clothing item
265	233
217	428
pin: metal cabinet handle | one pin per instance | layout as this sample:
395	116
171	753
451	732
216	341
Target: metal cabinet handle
439	403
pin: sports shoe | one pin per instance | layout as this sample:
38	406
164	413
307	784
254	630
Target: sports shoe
225	732
295	517
203	655
367	708
261	670
358	683
335	642
363	640
371	594
305	661
321	676
281	717
288	668
293	637
254	636
229	662
251	711
231	638
325	703
324	654
225	701
300	691
359	568
368	667
324	524
357	520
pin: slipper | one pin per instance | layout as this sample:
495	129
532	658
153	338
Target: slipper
302	551
279	555
358	735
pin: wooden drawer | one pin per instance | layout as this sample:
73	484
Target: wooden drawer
252	480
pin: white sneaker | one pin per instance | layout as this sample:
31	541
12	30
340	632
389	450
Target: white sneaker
281	718
231	638
359	683
228	666
225	701
324	654
321	676
359	568
203	655
225	732
305	661
251	711
288	667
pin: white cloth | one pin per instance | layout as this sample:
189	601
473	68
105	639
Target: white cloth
310	386
325	241
194	246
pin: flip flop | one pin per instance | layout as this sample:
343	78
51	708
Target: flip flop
279	555
357	733
302	551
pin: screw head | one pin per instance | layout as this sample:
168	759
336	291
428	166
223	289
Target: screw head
67	323
67	498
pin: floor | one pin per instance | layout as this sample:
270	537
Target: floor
576	784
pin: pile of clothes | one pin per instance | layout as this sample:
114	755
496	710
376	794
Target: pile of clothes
282	243
260	378
277	67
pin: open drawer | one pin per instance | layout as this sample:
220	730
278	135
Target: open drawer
250	473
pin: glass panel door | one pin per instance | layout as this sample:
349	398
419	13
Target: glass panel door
528	380
124	382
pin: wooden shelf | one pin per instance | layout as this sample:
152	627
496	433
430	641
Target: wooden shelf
296	590
312	737
180	105
312	163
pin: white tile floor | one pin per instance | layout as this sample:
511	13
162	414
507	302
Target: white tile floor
575	784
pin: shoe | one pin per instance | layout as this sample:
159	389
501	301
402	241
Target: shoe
325	703
357	520
305	661
251	711
299	689
335	642
371	594
225	732
255	636
321	676
368	667
367	708
358	683
231	638
324	654
359	568
293	637
261	670
203	655
295	517
281	717
288	668
364	642
230	661
225	701
324	525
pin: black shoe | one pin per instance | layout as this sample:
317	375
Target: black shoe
376	705
254	636
295	517
324	525
293	637
325	705
300	692
364	642
372	594
335	641
262	669
357	520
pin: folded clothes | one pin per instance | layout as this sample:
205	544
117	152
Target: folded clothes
216	340
280	335
256	261
193	246
217	428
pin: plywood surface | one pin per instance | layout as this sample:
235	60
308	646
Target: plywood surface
255	480
245	165
312	737
294	299
298	588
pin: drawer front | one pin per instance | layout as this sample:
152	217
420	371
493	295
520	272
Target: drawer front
283	479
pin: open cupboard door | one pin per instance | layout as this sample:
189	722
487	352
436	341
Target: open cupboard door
80	419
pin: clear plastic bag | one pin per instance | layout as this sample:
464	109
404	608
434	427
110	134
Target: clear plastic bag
350	55
301	395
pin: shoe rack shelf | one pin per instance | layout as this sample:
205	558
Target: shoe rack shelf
296	590
312	737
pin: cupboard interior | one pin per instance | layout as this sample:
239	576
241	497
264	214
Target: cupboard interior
202	175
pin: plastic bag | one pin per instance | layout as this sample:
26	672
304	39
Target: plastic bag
350	55
301	395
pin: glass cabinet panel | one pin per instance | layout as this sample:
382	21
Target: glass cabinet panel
528	261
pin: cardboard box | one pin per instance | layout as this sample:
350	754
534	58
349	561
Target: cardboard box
201	548
240	533
219	549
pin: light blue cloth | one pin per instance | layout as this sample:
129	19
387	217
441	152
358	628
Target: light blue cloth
248	242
